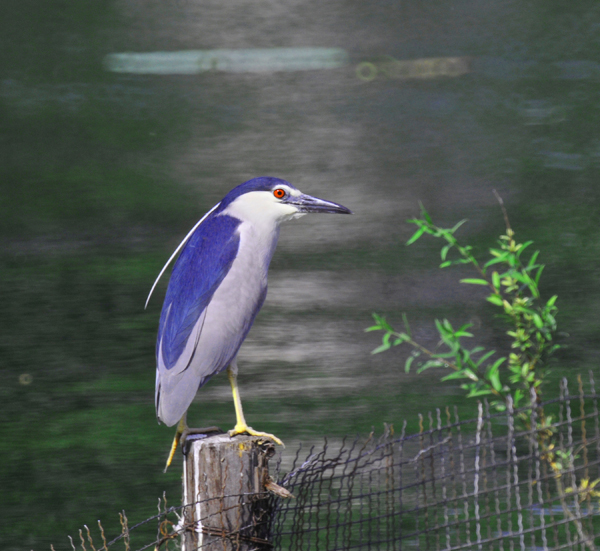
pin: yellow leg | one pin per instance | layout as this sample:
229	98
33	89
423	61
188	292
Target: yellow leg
181	427
241	426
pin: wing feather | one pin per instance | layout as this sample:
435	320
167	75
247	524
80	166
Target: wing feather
185	240
205	260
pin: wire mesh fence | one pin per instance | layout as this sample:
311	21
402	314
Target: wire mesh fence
501	481
523	479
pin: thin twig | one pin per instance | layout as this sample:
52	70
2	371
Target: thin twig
503	208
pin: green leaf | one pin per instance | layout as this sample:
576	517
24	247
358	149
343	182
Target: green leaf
519	277
474	281
471	375
515	368
537	321
482	392
408	363
448	326
458	225
493	375
484	357
446	264
495	299
465	327
382	348
430	363
445	250
444	327
496	280
523	310
499	362
538	274
381	321
495	380
425	214
416	235
492	262
461	374
532	260
551	301
500	256
523	247
455	375
377	317
518	396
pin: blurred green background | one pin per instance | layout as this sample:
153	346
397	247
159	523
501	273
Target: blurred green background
103	173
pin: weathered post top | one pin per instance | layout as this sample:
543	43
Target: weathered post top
226	503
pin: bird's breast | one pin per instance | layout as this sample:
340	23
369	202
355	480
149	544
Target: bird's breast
242	292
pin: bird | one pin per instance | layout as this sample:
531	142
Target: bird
217	286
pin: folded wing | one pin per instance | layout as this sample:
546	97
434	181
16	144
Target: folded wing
202	265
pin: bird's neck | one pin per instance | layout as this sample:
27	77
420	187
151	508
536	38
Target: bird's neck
259	240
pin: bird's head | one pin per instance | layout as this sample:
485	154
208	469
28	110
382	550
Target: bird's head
273	199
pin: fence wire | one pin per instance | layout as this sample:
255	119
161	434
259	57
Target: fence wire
524	479
501	481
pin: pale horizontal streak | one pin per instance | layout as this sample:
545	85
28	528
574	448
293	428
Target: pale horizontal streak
259	60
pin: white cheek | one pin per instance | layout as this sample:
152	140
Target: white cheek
260	207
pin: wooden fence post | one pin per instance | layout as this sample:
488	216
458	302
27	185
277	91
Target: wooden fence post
227	505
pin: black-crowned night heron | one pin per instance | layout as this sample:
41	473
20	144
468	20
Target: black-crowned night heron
217	287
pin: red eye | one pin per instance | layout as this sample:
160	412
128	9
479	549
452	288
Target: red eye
279	193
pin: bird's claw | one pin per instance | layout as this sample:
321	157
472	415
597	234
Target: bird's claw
181	436
244	429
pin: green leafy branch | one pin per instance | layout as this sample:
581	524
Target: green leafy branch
513	283
512	280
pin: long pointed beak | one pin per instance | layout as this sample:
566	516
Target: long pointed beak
308	203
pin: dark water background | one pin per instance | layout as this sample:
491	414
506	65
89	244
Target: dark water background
102	174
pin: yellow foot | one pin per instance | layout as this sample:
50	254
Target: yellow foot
183	431
173	448
245	429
